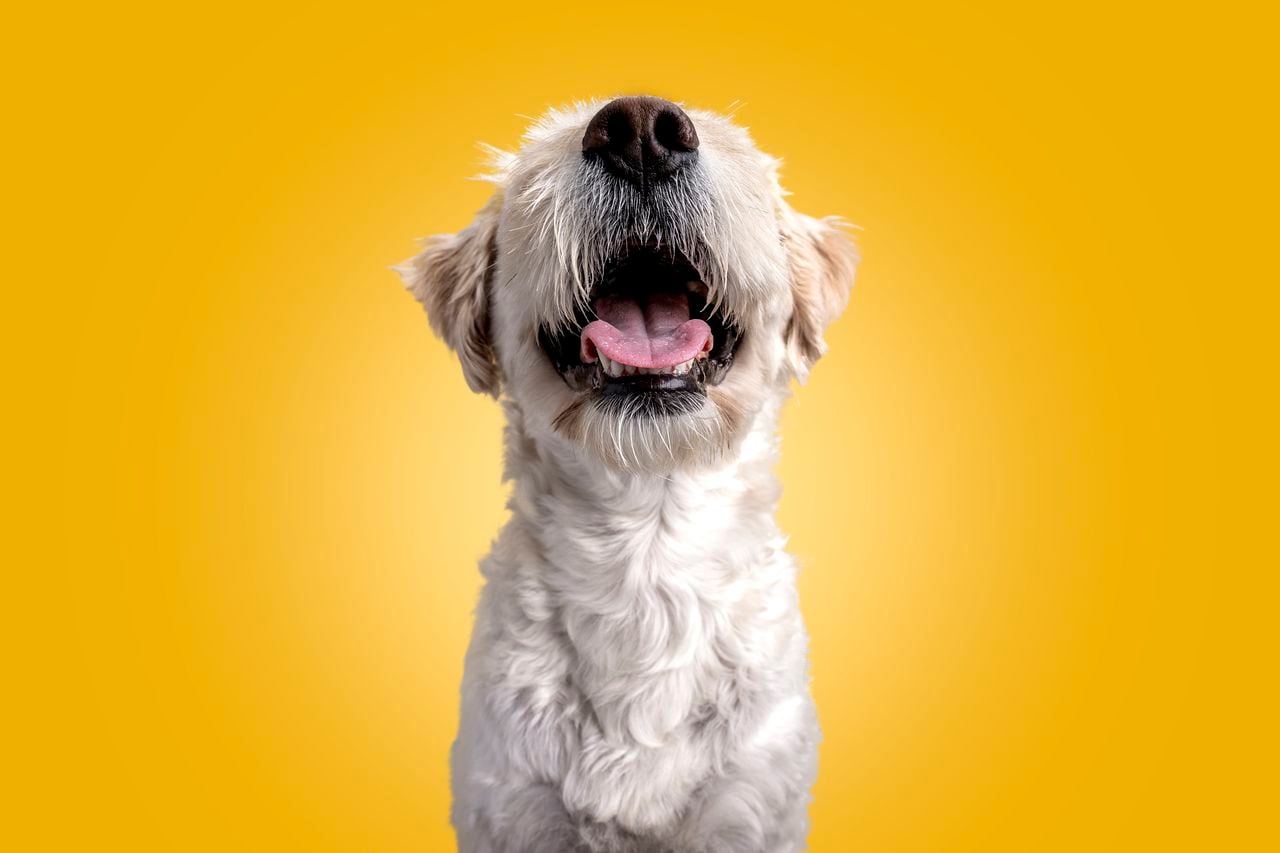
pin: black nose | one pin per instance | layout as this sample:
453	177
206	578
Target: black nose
645	140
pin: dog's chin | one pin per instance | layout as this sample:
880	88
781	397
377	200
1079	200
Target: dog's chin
650	396
648	431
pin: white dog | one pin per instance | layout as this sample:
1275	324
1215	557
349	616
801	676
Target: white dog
639	293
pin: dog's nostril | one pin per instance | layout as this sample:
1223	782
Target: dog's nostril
619	131
642	139
673	131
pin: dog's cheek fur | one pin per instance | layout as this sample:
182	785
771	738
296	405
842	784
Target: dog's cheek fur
823	261
451	278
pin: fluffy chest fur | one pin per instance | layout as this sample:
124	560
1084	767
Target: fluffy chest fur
638	637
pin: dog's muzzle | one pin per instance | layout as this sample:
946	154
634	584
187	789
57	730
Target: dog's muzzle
648	331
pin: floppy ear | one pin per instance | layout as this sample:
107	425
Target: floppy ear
822	259
450	277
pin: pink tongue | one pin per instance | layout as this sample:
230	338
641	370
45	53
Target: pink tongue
658	333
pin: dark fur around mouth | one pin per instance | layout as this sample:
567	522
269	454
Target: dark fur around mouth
653	270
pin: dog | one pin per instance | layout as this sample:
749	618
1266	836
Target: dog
639	294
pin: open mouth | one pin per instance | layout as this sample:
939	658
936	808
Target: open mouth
649	330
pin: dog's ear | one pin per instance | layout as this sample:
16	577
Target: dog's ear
450	277
822	258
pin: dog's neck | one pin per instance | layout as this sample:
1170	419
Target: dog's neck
592	519
646	574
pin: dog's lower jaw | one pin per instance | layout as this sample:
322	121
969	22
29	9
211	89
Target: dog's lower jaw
637	679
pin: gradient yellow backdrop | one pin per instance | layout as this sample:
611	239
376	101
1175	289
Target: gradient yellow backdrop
248	490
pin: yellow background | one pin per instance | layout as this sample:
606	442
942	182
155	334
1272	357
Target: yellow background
247	490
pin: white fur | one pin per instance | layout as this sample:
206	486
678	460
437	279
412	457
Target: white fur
636	680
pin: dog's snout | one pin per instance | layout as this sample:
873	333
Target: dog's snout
642	139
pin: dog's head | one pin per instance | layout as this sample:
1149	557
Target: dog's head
638	285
